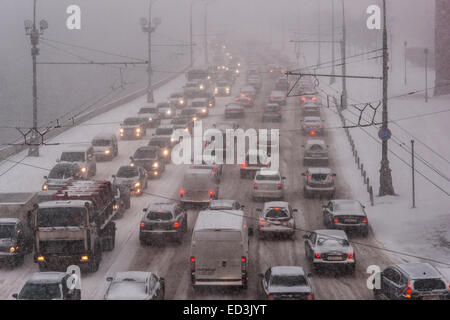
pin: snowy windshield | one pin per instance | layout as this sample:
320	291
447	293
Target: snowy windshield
61	217
148	110
132	121
61	172
40	291
101	143
72	156
288	281
347	206
331	242
145	154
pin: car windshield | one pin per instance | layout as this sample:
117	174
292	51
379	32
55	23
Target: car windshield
429	284
60	172
271	108
316	147
319	176
198	104
127	172
176	95
163	105
266	177
187	112
159	215
145	154
61	217
157	143
147	110
277	213
221	206
101	143
72	156
191	85
127	289
179	121
7	231
323	241
347	206
163	131
132	121
288	281
40	291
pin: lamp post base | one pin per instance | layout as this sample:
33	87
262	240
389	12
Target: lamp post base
386	187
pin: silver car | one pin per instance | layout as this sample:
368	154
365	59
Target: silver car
319	181
312	126
329	248
133	177
286	283
225	205
105	146
135	285
198	187
268	184
277	217
316	152
234	109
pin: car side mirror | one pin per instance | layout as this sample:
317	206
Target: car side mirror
309	275
113	176
109	279
305	236
334	174
295	210
258	209
45	177
260	275
283	178
131	158
242	206
144	210
303	174
15	295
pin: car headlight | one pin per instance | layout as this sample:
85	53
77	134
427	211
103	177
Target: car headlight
137	184
83	169
12	250
227	89
150	119
107	151
169	112
204	110
216	90
165	152
238	64
202	87
194	118
155	165
181	101
45	187
172	139
121	130
237	71
115	207
186	129
138	130
132	164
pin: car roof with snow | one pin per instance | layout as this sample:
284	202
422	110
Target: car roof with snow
9	220
104	136
419	270
287	271
266	172
64	203
331	233
219	219
312	119
315	141
138	276
77	148
276	204
277	93
46	277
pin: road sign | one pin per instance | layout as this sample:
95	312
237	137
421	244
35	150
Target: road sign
384	134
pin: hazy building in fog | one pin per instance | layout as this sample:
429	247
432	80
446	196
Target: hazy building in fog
442	47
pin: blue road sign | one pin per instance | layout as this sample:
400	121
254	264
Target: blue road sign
384	134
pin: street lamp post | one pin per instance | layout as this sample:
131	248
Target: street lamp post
34	33
344	57
386	187
149	26
426	74
333	70
406	49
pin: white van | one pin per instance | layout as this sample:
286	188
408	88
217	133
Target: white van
219	249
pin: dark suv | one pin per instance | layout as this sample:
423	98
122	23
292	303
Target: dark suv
163	219
150	159
411	281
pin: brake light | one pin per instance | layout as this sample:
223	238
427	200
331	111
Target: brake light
192	260
351	255
255	186
312	132
313	98
176	224
271	70
207	143
280	186
310	296
181	192
142	224
317	255
270	297
336	220
279	111
408	291
309	177
303	98
261	222
364	221
236	99
211	192
243	165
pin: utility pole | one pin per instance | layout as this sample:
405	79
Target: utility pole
344	58
333	70
426	74
34	33
206	34
386	187
406	50
413	176
149	26
191	37
319	34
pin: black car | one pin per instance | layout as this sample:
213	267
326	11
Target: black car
285	283
151	114
189	113
164	144
163	220
15	242
346	215
411	281
133	128
150	159
182	123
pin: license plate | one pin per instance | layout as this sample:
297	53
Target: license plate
350	220
334	258
207	272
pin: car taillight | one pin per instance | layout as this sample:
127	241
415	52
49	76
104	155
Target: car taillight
243	165
176	224
279	111
312	132
364	221
313	98
261	223
192	262
181	192
255	186
142	224
317	255
310	296
408	291
236	99
303	99
211	192
336	220
280	186
351	255
243	264
270	297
